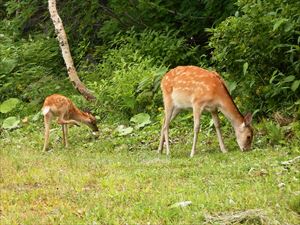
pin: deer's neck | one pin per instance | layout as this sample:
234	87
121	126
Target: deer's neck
77	114
230	110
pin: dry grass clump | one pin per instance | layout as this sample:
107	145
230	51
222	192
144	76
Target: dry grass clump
251	216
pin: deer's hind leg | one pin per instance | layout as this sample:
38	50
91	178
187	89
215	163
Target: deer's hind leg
170	113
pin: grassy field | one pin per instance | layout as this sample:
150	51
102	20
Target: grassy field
124	181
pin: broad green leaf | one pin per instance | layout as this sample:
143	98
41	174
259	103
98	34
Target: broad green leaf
245	68
122	130
289	79
7	66
231	86
278	23
9	105
10	122
295	85
141	119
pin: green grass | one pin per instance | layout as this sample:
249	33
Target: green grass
121	180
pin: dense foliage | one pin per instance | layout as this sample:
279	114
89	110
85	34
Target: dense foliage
259	49
122	48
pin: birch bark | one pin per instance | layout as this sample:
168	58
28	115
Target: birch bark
65	49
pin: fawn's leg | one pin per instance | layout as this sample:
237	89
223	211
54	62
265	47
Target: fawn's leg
62	121
47	124
65	134
162	138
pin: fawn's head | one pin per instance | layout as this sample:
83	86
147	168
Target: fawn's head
244	133
91	121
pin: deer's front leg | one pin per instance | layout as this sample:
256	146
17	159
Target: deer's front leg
217	126
62	121
197	110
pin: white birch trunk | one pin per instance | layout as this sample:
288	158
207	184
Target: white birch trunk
65	49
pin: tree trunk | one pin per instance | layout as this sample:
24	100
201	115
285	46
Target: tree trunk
65	49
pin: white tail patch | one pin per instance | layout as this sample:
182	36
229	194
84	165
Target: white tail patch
45	110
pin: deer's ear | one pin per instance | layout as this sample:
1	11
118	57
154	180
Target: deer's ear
248	119
86	110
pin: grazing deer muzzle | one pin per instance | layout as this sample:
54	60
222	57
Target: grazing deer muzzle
245	133
200	89
91	122
67	113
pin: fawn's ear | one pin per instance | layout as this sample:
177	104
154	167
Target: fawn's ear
248	119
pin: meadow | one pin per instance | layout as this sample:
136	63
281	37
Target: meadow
122	180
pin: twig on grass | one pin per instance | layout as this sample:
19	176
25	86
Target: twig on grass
291	161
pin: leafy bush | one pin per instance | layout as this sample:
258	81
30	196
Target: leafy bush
25	62
30	69
129	77
189	18
164	48
131	88
259	48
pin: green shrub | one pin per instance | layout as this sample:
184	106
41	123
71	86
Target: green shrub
129	89
259	48
128	78
30	69
164	48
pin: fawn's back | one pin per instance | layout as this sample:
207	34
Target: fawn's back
58	105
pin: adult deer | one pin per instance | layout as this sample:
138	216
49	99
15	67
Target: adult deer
67	113
199	89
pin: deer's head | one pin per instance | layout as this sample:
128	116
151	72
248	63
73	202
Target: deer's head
91	121
244	133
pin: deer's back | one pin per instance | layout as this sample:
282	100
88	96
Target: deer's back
189	84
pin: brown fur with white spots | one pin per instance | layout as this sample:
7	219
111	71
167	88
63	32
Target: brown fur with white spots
67	113
200	89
